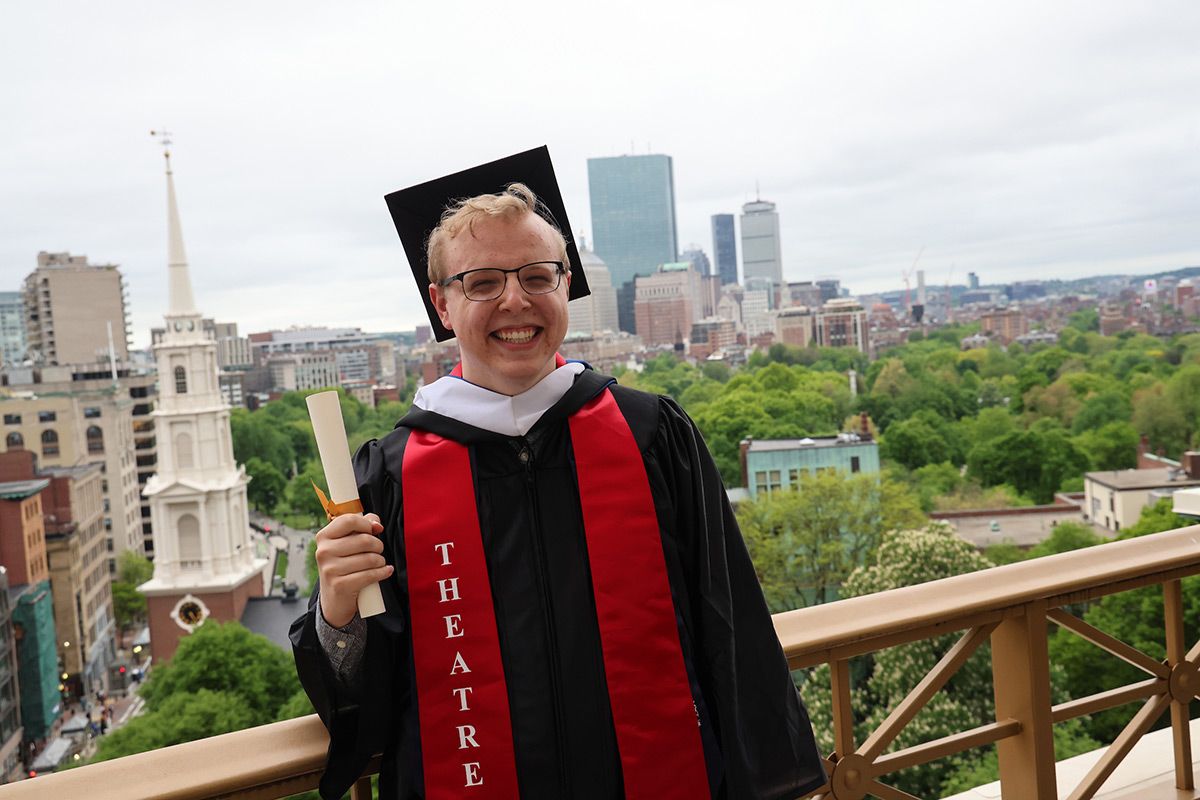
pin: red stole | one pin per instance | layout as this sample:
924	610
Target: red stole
466	734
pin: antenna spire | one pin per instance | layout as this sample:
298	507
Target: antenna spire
166	143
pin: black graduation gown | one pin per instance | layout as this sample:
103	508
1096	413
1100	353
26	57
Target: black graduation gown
758	740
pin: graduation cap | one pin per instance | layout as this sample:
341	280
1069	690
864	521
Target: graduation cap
417	210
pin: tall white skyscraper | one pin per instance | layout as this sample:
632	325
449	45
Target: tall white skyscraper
597	312
760	242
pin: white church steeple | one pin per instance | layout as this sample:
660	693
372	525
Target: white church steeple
205	562
179	299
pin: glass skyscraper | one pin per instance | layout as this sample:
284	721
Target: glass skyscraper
633	214
760	242
724	248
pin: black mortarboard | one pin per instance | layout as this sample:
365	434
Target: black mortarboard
418	209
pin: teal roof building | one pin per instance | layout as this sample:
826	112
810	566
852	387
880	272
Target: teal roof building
772	465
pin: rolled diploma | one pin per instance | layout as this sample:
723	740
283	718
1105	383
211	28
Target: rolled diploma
330	430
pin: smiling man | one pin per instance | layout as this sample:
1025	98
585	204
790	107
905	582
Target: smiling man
571	612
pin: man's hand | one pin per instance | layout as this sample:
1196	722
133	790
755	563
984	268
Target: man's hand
349	556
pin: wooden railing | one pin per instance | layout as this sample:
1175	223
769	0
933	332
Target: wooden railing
1010	605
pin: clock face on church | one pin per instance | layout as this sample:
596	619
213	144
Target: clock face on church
189	612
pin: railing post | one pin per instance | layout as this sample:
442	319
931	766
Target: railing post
1182	684
361	790
1021	679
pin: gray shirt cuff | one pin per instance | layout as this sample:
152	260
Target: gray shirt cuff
343	647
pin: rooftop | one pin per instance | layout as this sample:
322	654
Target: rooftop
19	490
1156	478
841	440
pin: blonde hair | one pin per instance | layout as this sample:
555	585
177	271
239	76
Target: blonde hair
513	203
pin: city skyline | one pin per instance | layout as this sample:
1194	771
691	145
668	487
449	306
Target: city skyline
1014	149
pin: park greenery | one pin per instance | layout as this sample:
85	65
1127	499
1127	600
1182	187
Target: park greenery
981	428
129	605
276	445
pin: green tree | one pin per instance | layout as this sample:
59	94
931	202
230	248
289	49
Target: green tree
806	541
1102	409
254	434
1084	320
180	718
1034	462
907	558
913	443
129	605
267	484
226	659
1160	419
222	678
1065	537
300	495
1113	446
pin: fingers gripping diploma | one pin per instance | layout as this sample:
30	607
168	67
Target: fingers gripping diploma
324	409
349	559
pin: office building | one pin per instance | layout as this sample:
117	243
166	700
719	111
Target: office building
668	303
597	312
73	415
70	308
78	562
205	564
1005	325
842	322
233	351
794	325
12	327
773	465
633	214
800	293
831	289
698	259
724	248
12	768
357	356
761	255
758	301
23	556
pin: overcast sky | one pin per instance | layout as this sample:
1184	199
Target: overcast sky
1017	140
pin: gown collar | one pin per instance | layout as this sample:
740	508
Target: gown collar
458	399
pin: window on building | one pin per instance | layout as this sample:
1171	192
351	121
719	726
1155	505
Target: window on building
12	419
183	451
49	443
190	552
91	413
1112	503
14	441
793	476
854	464
47	416
180	380
95	439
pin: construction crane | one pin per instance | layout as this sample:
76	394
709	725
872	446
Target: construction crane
907	275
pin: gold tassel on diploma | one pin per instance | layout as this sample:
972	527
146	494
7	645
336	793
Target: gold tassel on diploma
333	509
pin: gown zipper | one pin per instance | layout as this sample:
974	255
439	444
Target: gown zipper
525	456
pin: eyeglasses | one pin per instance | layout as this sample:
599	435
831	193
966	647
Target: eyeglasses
481	285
